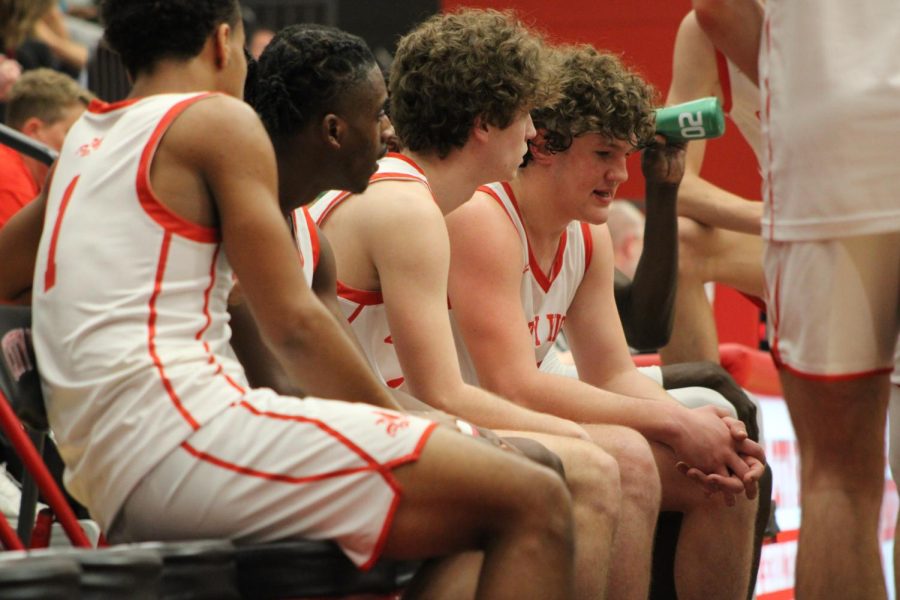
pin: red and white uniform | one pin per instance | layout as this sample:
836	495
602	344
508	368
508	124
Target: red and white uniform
830	76
306	237
546	297
365	309
740	101
152	413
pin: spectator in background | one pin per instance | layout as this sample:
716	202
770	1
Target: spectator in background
626	227
259	40
43	104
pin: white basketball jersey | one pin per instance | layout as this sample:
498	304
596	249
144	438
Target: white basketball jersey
364	309
130	323
830	75
741	102
307	239
546	297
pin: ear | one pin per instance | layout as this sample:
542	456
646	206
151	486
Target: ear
538	148
32	127
333	130
480	129
220	45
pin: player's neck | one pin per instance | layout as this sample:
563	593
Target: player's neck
451	178
542	218
170	77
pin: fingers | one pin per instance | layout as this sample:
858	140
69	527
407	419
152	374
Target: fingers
737	428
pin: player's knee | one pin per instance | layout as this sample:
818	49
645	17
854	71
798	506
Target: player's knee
594	480
545	506
691	249
639	474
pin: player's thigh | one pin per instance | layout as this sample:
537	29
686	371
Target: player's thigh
834	305
461	489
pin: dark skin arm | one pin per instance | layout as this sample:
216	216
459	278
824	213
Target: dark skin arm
19	240
710	375
646	303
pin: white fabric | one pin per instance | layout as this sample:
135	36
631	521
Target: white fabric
830	75
132	335
272	468
546	297
744	107
307	239
365	309
833	305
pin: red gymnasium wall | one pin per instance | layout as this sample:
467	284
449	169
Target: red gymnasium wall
643	33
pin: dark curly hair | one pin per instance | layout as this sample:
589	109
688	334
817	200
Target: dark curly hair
455	67
596	94
145	31
302	72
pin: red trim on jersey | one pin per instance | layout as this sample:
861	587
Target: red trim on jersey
300	419
405	159
588	245
544	280
100	107
313	237
770	182
204	456
830	378
364	297
490	192
331	206
50	273
151	333
359	308
159	212
392	511
724	81
395	383
206	293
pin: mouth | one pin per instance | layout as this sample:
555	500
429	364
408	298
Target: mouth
605	197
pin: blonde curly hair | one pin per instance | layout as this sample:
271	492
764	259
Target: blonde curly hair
457	66
596	94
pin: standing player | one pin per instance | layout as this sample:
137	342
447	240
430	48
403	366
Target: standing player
161	435
461	86
832	258
533	255
719	234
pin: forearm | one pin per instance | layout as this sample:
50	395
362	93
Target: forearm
319	356
710	205
716	378
653	413
648	312
486	409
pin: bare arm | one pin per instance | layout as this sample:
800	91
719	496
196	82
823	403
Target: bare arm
735	27
694	75
19	240
411	252
646	304
238	164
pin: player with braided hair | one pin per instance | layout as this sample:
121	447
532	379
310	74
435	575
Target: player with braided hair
161	433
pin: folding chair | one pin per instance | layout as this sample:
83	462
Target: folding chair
20	398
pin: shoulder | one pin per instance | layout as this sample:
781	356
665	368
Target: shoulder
396	205
482	226
217	132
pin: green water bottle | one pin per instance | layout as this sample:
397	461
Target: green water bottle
695	120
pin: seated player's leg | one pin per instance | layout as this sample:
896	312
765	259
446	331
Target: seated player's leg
894	455
708	254
375	481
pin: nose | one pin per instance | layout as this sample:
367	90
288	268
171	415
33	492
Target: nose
530	131
618	171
